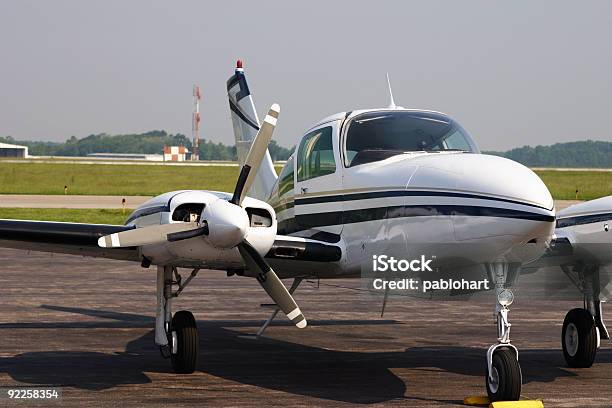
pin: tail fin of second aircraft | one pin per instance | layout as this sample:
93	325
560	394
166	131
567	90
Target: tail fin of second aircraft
246	125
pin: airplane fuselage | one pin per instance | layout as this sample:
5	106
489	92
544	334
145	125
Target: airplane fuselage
446	200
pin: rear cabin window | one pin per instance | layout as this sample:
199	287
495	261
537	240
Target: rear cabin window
315	155
285	183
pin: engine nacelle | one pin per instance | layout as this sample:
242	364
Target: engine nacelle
228	224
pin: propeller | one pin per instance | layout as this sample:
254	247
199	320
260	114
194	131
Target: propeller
270	282
255	155
153	234
225	225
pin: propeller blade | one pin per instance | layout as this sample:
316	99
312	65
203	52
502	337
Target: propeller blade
178	236
153	234
256	155
268	280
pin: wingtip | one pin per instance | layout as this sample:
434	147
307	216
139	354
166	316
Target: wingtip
275	107
102	242
301	324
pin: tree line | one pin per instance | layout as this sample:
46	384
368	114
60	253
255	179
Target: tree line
588	153
144	143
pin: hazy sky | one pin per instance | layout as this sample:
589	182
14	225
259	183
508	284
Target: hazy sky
512	72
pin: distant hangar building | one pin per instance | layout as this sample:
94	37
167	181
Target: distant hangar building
176	153
126	156
11	150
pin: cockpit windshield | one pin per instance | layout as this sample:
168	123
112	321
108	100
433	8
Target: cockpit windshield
379	135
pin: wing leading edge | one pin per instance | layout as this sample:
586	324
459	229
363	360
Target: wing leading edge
63	237
82	239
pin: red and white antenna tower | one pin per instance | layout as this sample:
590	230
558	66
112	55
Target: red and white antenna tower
195	123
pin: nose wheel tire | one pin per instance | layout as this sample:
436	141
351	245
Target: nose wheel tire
183	339
505	384
579	338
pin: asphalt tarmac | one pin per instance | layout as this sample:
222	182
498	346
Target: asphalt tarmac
85	325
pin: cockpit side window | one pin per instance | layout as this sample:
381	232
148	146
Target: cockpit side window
285	183
375	136
456	141
315	156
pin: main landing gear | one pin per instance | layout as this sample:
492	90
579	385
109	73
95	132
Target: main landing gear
583	328
503	378
176	336
579	338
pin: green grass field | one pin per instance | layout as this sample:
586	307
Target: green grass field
590	184
101	179
90	216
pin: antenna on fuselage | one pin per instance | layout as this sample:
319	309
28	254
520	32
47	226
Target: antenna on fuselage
392	102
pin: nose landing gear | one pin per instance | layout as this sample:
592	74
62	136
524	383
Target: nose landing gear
503	378
176	336
184	342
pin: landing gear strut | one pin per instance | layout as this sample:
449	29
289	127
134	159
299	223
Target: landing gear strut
503	378
176	336
583	328
264	326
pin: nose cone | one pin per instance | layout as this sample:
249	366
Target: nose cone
227	223
483	174
488	196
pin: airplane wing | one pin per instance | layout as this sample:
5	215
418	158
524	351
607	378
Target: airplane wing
582	235
63	237
582	250
82	239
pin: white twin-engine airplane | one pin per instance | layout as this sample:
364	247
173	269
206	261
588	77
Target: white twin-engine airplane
362	182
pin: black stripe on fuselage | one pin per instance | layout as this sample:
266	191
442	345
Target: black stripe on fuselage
583	219
305	221
404	193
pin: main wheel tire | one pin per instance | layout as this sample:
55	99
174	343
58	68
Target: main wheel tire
579	338
507	377
185	331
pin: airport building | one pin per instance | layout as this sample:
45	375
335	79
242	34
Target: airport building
126	156
175	153
11	150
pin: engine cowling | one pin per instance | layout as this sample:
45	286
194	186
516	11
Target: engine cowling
228	225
